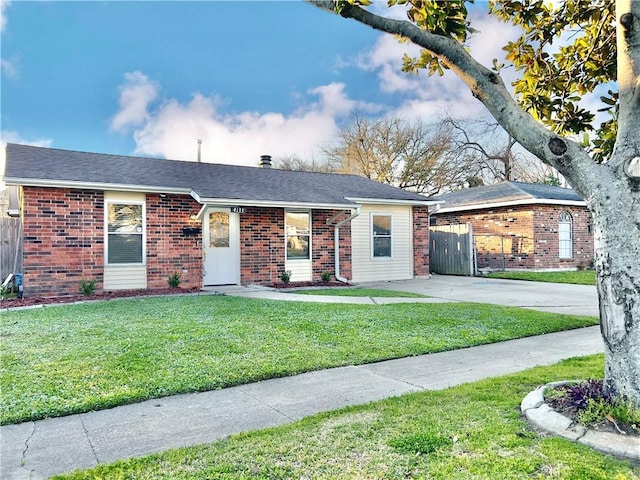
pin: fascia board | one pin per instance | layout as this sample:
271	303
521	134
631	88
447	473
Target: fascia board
390	201
30	182
239	202
514	203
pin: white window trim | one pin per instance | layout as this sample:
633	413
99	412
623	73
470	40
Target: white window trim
570	239
286	253
380	214
106	229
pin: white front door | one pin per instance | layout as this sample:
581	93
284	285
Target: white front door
221	239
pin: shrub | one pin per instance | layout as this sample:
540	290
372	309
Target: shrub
285	276
87	287
591	403
326	277
174	280
6	292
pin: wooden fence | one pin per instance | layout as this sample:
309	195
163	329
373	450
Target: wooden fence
451	249
10	247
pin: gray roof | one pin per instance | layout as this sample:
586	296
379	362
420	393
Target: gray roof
28	165
506	192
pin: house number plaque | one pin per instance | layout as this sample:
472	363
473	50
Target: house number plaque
238	210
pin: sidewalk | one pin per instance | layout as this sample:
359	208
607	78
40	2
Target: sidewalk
37	450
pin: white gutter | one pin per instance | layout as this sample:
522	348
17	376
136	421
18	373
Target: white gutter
238	202
389	201
30	182
336	239
513	203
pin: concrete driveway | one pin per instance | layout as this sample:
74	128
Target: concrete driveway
548	297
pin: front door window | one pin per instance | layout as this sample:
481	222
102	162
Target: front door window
218	230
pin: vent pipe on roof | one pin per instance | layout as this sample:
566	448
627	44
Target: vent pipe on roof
199	150
265	161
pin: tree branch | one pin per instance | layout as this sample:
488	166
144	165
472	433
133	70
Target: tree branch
565	155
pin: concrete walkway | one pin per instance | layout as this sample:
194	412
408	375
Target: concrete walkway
37	450
547	297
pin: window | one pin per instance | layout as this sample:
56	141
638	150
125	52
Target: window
125	233
298	232
381	236
565	235
218	230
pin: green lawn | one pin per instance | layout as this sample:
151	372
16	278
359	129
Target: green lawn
579	277
76	358
473	431
359	292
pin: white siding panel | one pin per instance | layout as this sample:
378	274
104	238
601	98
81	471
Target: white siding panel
125	277
300	270
400	265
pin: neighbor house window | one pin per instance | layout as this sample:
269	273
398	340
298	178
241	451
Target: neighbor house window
381	236
565	235
298	231
125	233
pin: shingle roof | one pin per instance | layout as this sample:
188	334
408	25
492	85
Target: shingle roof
28	165
506	192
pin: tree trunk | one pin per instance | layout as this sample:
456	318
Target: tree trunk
617	240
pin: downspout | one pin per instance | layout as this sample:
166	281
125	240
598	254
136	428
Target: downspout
336	239
430	212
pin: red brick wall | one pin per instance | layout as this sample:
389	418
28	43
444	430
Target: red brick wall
528	236
503	236
420	241
169	250
546	235
323	244
262	245
63	240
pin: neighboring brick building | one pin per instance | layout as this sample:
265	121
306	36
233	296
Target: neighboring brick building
519	226
130	223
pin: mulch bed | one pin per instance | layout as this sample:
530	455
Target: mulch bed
294	285
562	406
31	301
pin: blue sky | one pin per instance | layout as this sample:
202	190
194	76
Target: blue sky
248	78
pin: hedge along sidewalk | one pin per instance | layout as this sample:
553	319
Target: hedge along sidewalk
81	441
78	358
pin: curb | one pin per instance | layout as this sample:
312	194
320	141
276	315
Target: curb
543	417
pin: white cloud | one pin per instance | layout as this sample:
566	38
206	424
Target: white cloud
428	97
171	128
135	96
4	4
8	68
385	57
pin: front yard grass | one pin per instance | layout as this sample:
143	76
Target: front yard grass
473	431
578	277
76	358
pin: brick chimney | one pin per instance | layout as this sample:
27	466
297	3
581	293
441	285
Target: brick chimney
265	161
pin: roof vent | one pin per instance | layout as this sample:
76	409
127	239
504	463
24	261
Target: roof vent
265	161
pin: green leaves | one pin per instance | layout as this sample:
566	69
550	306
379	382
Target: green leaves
564	54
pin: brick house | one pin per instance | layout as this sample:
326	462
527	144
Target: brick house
522	226
130	223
